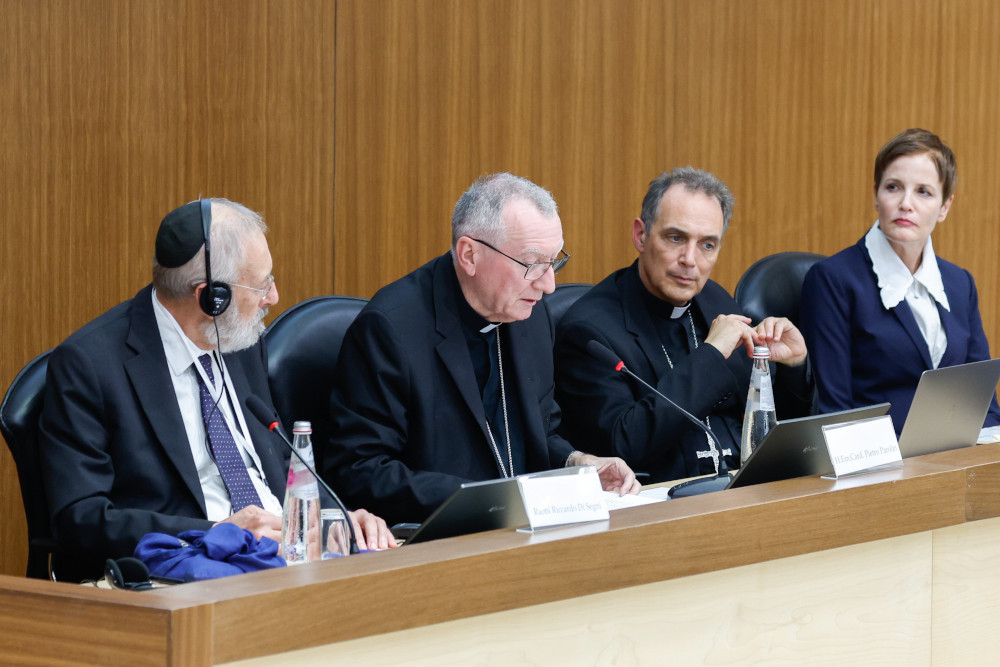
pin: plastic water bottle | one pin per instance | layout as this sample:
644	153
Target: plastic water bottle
759	417
300	524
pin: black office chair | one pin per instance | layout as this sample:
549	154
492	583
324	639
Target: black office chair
564	297
772	286
19	413
303	346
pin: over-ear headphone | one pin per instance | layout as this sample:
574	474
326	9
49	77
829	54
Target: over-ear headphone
215	298
128	573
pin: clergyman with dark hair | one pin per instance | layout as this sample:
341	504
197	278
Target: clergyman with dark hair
678	330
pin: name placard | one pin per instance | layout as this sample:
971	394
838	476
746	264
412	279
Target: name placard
861	445
559	497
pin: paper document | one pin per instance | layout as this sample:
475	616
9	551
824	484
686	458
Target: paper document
659	493
616	502
988	435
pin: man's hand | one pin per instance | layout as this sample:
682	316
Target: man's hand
784	340
728	332
614	473
371	531
258	522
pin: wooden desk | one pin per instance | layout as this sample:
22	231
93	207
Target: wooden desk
898	565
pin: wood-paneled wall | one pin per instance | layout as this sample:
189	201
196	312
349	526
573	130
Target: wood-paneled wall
354	125
786	101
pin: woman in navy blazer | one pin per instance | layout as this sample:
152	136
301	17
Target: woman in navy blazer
878	314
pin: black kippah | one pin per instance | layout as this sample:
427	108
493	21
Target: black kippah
180	236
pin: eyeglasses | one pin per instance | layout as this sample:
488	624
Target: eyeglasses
264	291
536	270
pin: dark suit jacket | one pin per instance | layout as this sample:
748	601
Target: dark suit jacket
409	425
115	456
864	354
609	414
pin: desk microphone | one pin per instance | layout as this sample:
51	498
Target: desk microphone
269	419
695	487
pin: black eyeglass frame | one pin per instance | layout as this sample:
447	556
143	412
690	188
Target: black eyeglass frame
556	265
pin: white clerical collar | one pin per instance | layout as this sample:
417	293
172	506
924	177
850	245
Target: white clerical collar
679	311
894	279
490	327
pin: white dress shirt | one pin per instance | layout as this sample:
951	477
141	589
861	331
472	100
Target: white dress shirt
182	360
921	289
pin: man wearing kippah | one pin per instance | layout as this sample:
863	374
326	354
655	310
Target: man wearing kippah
675	327
143	428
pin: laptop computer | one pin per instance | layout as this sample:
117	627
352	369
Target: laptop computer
949	407
473	508
796	448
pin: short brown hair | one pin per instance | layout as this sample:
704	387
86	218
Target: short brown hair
912	142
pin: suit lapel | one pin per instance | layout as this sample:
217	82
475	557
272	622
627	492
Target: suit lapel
639	323
901	312
150	378
452	348
909	323
955	333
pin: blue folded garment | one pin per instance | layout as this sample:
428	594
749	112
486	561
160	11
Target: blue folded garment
223	550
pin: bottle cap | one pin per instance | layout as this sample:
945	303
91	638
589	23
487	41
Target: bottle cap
302	427
759	352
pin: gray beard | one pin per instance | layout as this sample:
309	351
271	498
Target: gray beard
234	332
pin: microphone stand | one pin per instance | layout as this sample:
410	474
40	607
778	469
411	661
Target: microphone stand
693	487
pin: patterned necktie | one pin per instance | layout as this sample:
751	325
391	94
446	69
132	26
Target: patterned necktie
227	455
